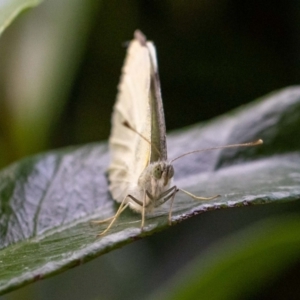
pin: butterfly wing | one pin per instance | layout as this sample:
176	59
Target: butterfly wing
130	154
158	126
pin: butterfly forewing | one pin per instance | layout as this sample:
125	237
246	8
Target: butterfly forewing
158	126
130	154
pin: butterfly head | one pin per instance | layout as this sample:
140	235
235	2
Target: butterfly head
163	171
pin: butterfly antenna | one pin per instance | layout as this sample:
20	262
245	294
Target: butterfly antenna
250	144
127	125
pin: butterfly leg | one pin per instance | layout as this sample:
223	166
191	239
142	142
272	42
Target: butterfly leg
143	205
112	220
171	206
108	219
170	193
199	198
143	212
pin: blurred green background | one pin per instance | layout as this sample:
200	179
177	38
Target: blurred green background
60	66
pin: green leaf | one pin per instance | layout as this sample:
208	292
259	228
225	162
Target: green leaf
48	200
239	265
10	9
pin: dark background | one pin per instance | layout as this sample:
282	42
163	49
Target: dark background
213	56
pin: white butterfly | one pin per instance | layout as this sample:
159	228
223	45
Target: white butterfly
140	175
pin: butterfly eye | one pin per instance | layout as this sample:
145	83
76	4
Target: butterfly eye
170	171
157	172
